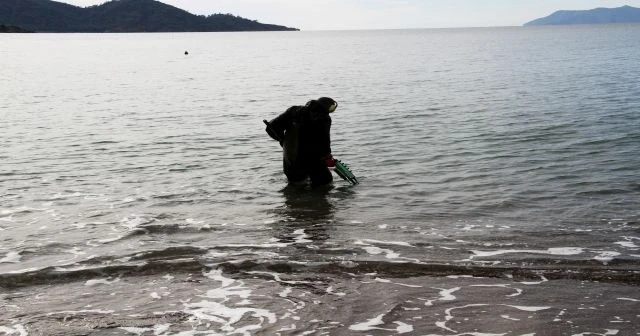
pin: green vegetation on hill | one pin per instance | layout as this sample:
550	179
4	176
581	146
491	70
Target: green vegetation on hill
120	16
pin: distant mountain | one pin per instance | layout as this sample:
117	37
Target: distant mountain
119	16
13	29
625	14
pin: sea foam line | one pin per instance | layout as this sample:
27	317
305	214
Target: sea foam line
551	251
224	314
449	315
372	323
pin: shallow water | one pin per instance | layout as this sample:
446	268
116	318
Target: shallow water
140	195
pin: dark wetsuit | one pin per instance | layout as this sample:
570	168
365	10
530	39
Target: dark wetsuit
306	144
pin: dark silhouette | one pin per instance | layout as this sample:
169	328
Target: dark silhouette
625	14
120	16
304	134
13	29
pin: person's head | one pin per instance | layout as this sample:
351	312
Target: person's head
328	103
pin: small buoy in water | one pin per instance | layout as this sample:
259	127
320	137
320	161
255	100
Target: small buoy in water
186	53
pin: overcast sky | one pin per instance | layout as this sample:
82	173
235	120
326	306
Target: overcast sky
384	14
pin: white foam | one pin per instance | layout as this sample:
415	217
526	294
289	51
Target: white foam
445	295
11	257
551	251
606	256
560	314
330	291
226	290
277	278
301	237
265	245
376	321
459	276
542	279
529	308
227	315
403	328
135	330
17	328
134	221
382	242
395	283
285	292
608	332
449	316
348	264
95	282
518	291
368	325
24	270
160	329
628	299
290	328
629	242
374	250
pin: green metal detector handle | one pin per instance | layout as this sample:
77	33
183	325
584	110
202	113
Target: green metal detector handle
343	171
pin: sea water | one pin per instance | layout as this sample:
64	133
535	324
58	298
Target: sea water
499	194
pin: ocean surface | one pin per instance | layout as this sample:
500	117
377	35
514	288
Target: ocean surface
499	189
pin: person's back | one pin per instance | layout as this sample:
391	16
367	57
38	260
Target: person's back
310	130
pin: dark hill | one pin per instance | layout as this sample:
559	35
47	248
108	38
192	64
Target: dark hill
625	14
13	29
119	16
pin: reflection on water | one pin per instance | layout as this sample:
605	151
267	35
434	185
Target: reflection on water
305	215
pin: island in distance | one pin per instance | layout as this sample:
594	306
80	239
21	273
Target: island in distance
119	16
625	14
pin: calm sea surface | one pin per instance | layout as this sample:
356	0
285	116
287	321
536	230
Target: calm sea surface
499	194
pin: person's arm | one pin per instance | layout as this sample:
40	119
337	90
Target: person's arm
280	124
324	141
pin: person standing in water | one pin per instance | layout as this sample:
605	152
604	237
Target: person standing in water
304	134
